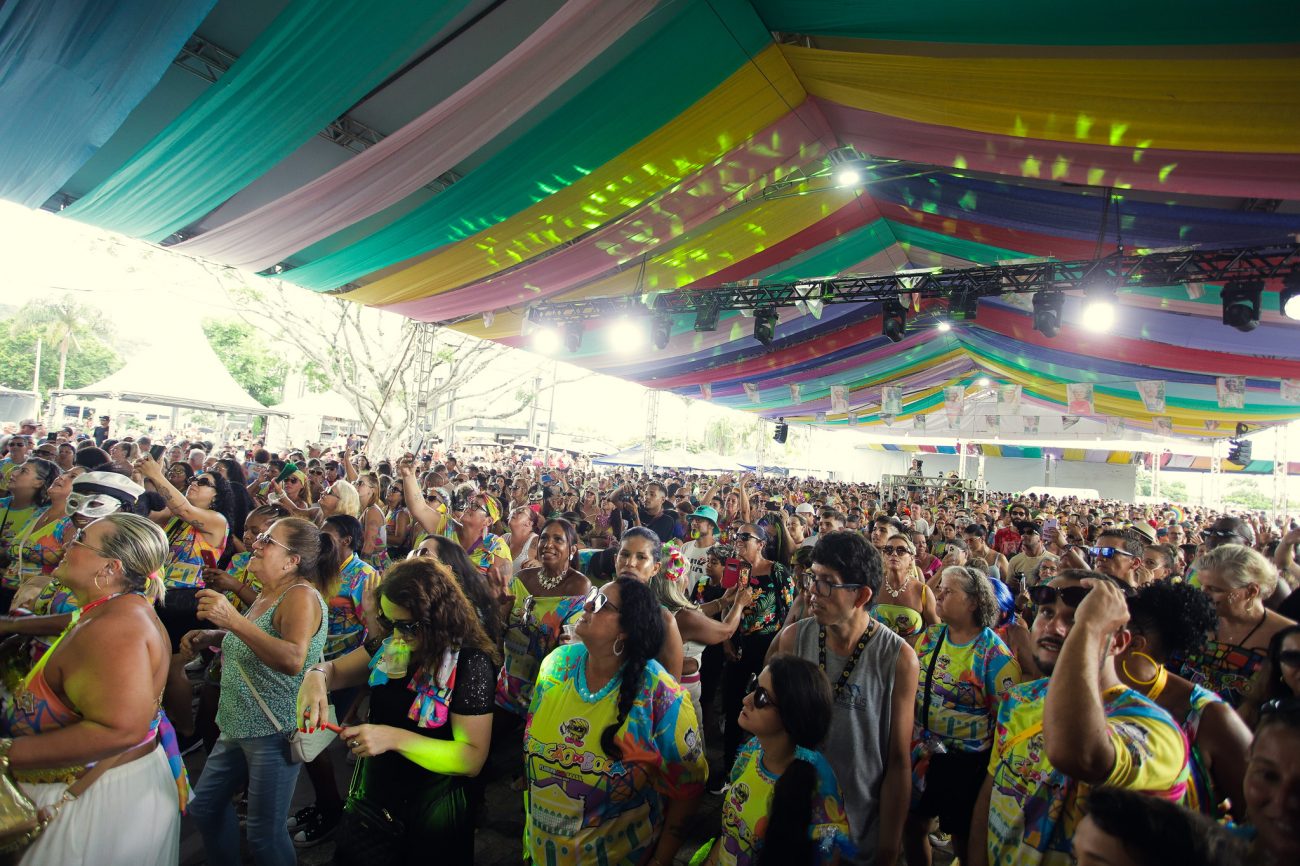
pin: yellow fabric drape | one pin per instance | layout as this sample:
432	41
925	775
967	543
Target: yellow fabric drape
754	97
746	232
1228	105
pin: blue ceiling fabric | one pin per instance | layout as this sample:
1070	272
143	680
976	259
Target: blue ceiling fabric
70	73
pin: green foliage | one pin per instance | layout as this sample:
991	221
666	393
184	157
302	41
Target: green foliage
91	352
244	352
1246	493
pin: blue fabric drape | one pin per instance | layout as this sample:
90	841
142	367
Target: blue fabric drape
316	60
70	73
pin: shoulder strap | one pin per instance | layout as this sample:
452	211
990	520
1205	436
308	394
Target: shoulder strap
929	679
256	696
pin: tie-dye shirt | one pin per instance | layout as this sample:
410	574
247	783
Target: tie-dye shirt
37	550
484	551
583	806
749	799
968	678
347	630
531	634
1035	809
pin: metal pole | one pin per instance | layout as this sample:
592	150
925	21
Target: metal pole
1280	503
961	460
1156	457
532	415
1216	473
550	411
651	425
36	376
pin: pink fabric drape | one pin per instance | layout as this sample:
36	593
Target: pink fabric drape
796	139
427	146
1246	175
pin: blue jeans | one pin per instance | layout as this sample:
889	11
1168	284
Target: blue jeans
265	764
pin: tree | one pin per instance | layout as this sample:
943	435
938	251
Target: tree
86	350
243	351
1246	493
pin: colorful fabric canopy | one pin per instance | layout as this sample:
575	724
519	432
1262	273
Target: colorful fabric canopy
614	149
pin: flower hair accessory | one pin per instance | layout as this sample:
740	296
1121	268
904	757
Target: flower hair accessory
674	563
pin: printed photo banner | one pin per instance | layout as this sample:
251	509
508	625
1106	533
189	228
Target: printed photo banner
954	397
1067	422
820	417
1009	399
853	419
887	419
1114	426
795	389
1153	394
1030	423
1078	398
1164	426
839	399
1290	389
918	421
891	399
706	390
1231	391
992	423
751	391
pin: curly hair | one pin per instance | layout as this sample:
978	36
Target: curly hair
428	589
1177	615
641	619
979	587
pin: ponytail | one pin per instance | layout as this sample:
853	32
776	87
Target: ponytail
787	841
318	556
642	621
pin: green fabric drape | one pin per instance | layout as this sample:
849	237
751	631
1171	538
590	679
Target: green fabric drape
692	52
1033	22
315	61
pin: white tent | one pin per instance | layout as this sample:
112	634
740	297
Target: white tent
328	404
670	458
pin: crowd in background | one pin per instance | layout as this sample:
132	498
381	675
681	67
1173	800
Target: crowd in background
859	677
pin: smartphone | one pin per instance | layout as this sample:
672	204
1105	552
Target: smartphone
731	573
209	558
1050	523
51	437
157	451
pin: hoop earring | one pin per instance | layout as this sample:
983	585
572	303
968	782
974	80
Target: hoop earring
97	586
1155	664
618	649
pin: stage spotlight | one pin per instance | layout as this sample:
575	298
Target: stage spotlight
964	305
1047	312
893	322
1099	309
547	340
983	382
1288	300
1241	302
572	336
943	327
765	326
782	431
847	166
706	318
661	331
1240	452
627	336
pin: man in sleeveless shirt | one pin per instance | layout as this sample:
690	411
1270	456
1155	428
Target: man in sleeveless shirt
873	673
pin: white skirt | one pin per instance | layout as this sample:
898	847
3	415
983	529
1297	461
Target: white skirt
129	816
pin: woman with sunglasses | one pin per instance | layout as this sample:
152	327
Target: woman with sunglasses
612	750
906	605
267	650
965	667
1237	580
783	805
85	724
27	503
374	550
398	527
1279	678
429	724
1171	619
545	599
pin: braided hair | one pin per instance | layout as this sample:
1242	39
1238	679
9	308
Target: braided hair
642	622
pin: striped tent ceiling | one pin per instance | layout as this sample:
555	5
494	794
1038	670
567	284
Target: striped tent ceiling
456	161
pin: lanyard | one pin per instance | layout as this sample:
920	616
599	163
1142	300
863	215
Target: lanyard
853	659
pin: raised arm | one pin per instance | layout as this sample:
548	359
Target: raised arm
432	521
211	523
349	470
695	626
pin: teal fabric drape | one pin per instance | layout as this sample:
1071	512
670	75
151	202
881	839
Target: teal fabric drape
696	46
313	63
1033	22
70	73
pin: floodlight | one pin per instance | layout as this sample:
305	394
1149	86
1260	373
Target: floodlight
944	327
893	320
765	326
547	340
661	331
1241	304
626	336
1288	300
1047	312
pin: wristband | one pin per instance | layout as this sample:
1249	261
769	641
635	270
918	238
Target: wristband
323	672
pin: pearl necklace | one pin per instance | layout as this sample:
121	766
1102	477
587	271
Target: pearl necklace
548	582
895	593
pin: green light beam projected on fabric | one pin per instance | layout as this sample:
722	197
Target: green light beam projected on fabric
691	53
1031	22
278	95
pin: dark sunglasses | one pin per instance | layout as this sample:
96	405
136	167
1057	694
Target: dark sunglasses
599	601
762	697
403	626
1290	658
1070	596
1109	552
204	482
747	536
896	550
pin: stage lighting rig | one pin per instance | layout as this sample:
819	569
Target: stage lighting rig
765	326
1241	304
893	320
1047	312
1239	453
782	431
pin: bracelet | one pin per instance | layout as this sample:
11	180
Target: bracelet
6	744
321	669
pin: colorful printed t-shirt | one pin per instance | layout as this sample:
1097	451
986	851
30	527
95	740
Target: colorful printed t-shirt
583	806
770	602
1035	809
966	687
184	569
1201	796
484	551
12	520
347	630
749	800
37	550
238	569
531	633
1225	669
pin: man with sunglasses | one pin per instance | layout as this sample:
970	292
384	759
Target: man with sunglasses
19	449
873	674
1076	729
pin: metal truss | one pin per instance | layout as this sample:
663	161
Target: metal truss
968	285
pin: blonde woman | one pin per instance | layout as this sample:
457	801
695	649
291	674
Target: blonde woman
339	498
374	524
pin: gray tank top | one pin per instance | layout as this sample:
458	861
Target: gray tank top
859	733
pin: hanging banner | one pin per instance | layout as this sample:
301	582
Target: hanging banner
853	419
1164	426
1067	422
1030	423
1078	398
918	421
1232	392
1009	399
839	399
953	397
992	423
1290	389
794	394
751	391
891	399
1114	427
1211	425
888	419
820	417
1153	394
707	390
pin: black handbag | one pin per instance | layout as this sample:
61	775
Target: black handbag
369	836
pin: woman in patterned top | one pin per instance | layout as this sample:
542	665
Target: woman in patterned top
29	497
783	805
38	544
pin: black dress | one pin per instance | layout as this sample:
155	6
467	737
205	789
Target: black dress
436	812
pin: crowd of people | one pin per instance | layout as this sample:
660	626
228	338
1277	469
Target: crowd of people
840	675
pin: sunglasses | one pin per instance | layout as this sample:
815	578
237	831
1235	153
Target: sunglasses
894	550
266	538
203	482
1290	658
599	601
747	536
78	540
1110	552
401	626
762	697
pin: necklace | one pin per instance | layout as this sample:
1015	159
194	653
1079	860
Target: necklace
97	602
895	593
853	659
546	581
